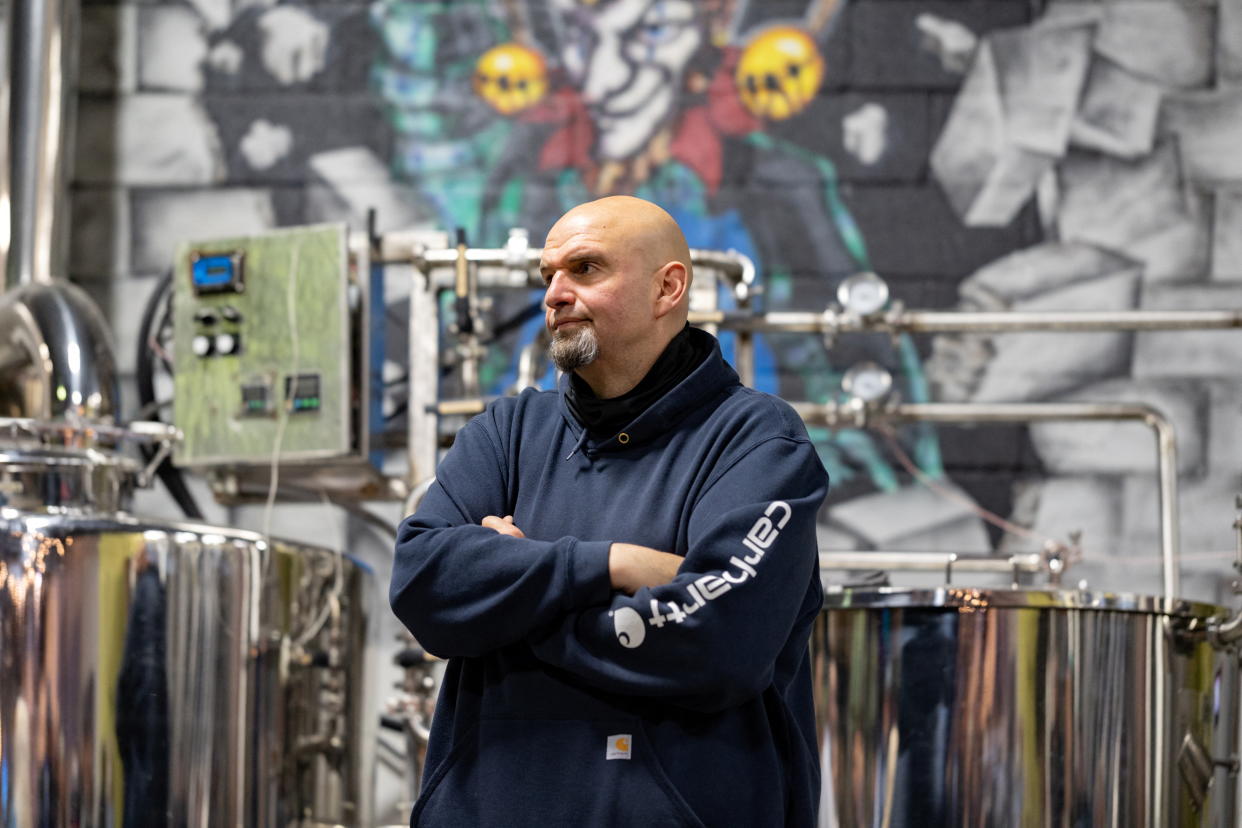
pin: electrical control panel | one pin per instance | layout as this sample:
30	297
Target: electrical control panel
270	350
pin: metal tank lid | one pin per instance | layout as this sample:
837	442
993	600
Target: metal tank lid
973	599
56	359
178	531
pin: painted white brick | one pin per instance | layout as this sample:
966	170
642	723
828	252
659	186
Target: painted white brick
1169	41
164	218
1032	366
108	48
1208	126
1227	236
1206	515
348	182
99	233
1140	208
173	47
1229	43
1117	114
1038	269
830	539
147	139
1061	505
127	299
986	179
216	14
966	536
911	515
1189	353
1122	447
1224	427
1042	70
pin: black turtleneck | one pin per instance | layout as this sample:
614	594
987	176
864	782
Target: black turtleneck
604	418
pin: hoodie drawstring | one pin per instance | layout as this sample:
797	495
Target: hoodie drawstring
581	440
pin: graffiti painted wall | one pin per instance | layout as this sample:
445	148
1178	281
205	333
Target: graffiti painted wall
998	155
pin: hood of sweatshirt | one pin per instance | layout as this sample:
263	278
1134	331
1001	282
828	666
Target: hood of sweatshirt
712	377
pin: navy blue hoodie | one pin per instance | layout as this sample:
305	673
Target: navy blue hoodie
566	703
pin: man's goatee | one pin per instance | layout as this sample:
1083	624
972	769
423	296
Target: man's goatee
574	349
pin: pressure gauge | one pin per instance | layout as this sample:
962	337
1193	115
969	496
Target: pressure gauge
867	382
863	293
517	248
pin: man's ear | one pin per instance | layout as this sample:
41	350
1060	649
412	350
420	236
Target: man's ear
672	284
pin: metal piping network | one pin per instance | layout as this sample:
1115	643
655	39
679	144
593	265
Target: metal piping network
856	414
834	321
894	320
517	265
1230	632
947	562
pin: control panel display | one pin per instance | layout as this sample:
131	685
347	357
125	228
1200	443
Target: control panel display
302	392
216	273
256	399
271	365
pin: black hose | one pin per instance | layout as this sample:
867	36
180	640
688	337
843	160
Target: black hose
169	474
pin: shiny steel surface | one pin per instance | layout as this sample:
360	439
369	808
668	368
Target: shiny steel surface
178	674
56	360
857	414
39	85
58	480
967	707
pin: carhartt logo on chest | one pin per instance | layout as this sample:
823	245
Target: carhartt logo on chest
619	746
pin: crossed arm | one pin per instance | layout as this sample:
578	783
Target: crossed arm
630	566
702	632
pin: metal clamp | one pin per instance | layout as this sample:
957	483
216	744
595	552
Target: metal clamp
1237	561
138	431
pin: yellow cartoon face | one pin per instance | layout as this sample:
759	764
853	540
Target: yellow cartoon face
511	78
779	73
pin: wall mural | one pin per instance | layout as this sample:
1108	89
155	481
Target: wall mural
997	155
506	116
1108	118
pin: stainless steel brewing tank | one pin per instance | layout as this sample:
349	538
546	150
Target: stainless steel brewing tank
968	707
161	673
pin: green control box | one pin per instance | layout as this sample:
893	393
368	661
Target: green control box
268	351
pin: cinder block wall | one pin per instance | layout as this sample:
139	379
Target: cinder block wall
997	154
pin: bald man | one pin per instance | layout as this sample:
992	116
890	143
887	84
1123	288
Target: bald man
622	574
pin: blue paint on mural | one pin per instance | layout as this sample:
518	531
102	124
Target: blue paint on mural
506	121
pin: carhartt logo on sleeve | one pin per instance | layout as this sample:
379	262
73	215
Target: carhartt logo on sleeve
629	627
618	747
763	533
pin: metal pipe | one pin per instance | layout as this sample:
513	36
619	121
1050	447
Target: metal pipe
6	194
424	382
466	407
42	52
1065	321
831	322
1228	632
412	248
930	562
737	267
416	495
731	263
836	415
